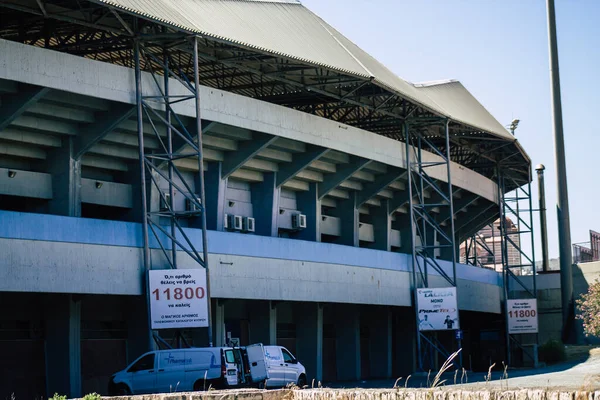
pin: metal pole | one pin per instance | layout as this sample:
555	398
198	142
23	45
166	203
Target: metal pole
564	228
202	194
170	155
543	224
142	166
412	240
447	132
503	261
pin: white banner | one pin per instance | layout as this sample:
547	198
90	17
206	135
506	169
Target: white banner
178	298
437	308
522	316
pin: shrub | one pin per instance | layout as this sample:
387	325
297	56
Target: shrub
58	397
589	310
552	351
92	396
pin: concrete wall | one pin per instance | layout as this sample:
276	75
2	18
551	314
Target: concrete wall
50	253
380	394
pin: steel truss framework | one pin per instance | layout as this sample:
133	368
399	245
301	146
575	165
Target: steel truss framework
431	216
155	109
91	29
516	206
472	245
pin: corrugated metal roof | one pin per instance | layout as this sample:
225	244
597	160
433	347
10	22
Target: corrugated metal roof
288	29
461	106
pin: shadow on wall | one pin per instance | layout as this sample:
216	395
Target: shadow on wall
584	274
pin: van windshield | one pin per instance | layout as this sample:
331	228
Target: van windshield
229	356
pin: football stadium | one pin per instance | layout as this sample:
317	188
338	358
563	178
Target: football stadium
251	142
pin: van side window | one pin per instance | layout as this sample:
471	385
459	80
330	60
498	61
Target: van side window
229	356
287	357
143	364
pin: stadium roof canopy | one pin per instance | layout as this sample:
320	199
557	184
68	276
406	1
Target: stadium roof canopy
276	51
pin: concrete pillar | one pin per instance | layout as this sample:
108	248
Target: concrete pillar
309	204
66	180
263	322
219	324
402	224
265	205
133	177
309	336
215	188
273	323
138	340
380	329
348	342
347	212
404	341
63	345
382	226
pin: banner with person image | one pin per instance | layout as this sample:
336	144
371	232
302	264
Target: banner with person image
437	309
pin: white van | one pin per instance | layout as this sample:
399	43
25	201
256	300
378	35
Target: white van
283	368
192	369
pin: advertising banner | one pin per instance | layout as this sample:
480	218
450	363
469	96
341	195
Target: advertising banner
437	308
178	298
522	316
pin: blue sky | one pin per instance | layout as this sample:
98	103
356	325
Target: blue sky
498	49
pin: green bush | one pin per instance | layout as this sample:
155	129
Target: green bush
92	396
552	351
58	397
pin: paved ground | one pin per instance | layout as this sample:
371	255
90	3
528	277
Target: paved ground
582	375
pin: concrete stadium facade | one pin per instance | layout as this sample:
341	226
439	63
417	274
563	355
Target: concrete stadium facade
338	293
52	256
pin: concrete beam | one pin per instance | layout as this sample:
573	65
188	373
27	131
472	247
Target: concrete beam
66	180
14	105
347	212
215	187
300	161
343	172
246	151
477	212
399	199
382	226
265	205
309	204
382	181
478	223
108	121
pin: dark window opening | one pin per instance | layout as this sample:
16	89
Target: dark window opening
96	211
23	204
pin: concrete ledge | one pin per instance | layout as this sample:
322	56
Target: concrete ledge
374	394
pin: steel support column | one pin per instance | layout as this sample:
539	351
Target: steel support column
154	108
516	207
428	237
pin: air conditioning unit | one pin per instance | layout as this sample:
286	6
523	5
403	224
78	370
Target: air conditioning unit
165	199
192	206
234	222
248	224
298	221
226	224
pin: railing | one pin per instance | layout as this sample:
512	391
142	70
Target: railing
585	252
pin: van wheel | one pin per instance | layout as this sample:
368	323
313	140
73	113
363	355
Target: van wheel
122	390
200	386
301	381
